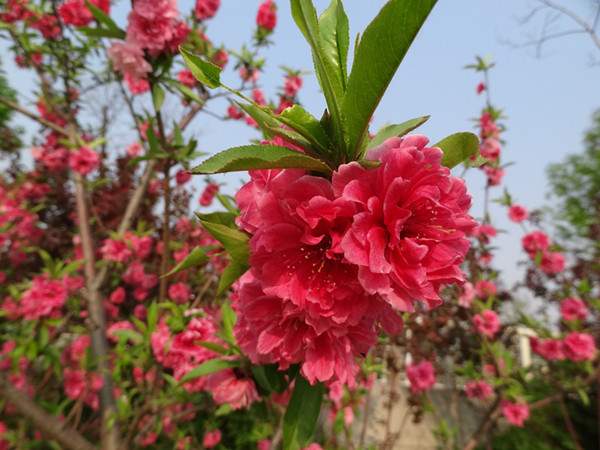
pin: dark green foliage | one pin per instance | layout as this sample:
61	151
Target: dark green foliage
575	189
546	429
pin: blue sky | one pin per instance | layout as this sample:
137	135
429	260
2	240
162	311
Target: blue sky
548	101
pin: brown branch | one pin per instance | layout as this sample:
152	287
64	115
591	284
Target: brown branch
67	437
587	27
16	107
489	420
569	424
97	320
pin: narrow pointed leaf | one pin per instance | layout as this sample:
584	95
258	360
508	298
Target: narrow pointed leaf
230	275
458	147
335	38
229	318
396	130
212	366
301	415
158	97
272	126
249	157
305	16
103	18
224	218
269	378
379	53
102	32
196	257
205	72
234	241
297	118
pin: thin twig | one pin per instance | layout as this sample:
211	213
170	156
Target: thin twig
47	424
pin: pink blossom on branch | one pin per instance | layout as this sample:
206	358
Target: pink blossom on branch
76	13
44	298
550	349
478	389
536	241
206	9
211	438
573	309
485	289
266	17
516	413
408	235
518	213
128	58
84	160
552	263
421	376
579	347
153	24
487	323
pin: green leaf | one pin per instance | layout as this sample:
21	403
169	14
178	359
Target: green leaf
196	257
396	130
158	96
224	218
250	157
189	93
234	241
458	147
378	56
301	415
230	275
152	317
297	118
102	17
228	318
335	38
129	335
269	378
214	347
205	72
305	16
228	203
211	366
102	32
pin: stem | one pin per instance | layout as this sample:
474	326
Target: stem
46	423
166	227
97	320
166	233
489	420
365	423
569	423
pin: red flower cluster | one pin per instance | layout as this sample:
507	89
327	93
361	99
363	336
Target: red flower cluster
266	17
330	259
206	9
76	13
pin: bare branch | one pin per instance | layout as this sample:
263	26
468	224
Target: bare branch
67	437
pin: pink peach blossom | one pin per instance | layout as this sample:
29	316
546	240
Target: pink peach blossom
421	376
516	413
408	235
266	17
211	438
573	309
128	58
206	9
485	289
517	213
478	389
84	160
579	346
487	323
